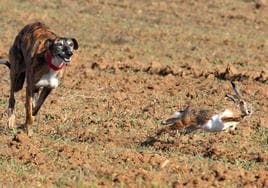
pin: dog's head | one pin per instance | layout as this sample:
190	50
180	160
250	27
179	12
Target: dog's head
62	48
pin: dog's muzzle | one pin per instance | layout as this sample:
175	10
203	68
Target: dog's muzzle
66	57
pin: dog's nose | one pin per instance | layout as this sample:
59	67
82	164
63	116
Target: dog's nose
69	53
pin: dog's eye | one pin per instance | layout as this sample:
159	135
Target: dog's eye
70	43
60	44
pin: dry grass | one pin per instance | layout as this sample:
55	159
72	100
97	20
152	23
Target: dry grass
91	130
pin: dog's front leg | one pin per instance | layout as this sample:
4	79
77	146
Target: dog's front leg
42	97
29	100
36	94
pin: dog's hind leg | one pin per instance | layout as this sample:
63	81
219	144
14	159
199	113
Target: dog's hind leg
42	97
16	83
20	78
29	101
11	104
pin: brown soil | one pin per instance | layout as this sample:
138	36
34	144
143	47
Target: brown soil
138	62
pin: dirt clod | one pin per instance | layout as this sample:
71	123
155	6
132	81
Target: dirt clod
137	63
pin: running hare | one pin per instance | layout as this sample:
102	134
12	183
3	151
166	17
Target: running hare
209	120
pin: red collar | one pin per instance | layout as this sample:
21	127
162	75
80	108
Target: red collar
49	63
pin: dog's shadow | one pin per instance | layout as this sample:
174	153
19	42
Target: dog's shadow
2	130
11	131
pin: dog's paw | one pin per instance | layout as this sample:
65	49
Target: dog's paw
27	130
12	121
30	132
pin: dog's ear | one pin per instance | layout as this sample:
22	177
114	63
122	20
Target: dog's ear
75	43
48	43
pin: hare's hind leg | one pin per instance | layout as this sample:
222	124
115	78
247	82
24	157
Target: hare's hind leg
230	125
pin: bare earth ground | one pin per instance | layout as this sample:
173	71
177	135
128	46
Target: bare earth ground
138	62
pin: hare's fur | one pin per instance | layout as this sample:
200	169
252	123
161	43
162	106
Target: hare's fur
208	119
216	122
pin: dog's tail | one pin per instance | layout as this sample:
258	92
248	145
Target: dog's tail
5	62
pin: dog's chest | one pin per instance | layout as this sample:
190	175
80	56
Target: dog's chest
49	80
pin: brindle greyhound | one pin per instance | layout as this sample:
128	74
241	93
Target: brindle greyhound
38	55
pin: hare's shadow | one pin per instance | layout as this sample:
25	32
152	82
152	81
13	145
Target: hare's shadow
156	137
151	140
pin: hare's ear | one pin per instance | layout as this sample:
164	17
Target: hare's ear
231	98
236	90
